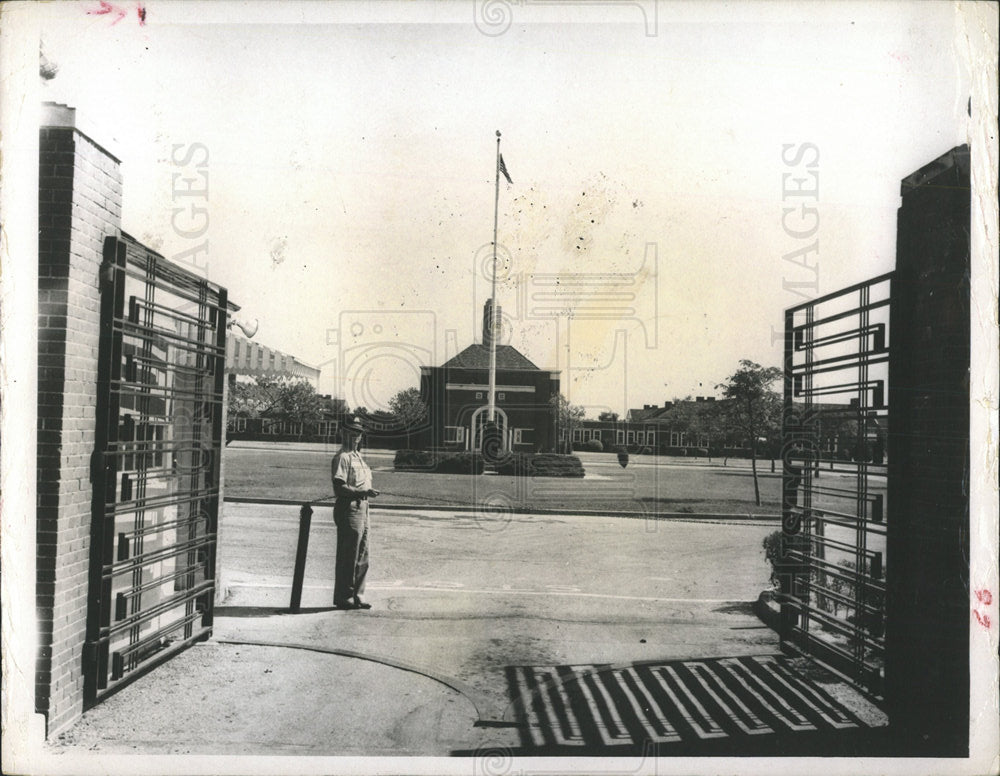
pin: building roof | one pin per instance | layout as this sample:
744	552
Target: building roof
647	413
244	357
478	357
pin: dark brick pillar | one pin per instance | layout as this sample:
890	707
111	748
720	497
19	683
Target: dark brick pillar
79	204
928	608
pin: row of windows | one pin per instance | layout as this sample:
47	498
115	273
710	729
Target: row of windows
456	434
281	427
319	428
677	439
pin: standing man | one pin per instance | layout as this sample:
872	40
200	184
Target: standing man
352	486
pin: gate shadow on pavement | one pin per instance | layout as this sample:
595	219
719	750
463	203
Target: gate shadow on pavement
768	705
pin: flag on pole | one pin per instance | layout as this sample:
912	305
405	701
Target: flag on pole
503	169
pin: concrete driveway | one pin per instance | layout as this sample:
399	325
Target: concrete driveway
547	634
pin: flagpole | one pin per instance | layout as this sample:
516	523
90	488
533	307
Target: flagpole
493	297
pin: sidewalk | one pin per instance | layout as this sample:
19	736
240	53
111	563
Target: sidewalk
462	642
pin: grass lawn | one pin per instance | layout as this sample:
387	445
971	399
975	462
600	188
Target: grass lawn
304	475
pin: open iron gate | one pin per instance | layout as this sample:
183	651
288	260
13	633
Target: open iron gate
834	486
156	464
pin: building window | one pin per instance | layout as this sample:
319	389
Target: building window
674	440
629	437
619	437
684	440
236	349
650	437
577	434
241	422
454	434
703	441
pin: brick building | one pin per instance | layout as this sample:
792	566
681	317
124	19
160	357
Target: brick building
457	395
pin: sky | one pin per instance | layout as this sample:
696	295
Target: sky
345	157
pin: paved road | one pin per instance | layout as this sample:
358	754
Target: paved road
629	562
531	634
466	598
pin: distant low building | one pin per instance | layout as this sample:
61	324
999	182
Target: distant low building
652	428
251	359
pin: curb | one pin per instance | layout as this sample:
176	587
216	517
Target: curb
520	510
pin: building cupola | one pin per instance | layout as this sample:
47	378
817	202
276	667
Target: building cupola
490	331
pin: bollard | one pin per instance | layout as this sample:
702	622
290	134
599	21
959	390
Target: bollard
305	519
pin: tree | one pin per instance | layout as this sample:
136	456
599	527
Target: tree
754	407
684	417
714	426
608	416
288	399
696	419
332	406
410	410
567	416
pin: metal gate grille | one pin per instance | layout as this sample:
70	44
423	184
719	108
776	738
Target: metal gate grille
156	464
834	485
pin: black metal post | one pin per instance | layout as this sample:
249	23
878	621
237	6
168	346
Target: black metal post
305	520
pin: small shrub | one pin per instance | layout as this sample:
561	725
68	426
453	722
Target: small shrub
438	462
414	460
772	554
460	463
774	549
541	465
593	446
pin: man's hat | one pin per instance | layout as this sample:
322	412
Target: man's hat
353	422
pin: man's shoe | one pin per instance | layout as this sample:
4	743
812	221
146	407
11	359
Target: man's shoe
343	605
359	604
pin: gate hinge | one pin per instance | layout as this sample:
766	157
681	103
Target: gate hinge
96	465
89	656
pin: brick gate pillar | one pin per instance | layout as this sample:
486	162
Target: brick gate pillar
79	204
927	620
